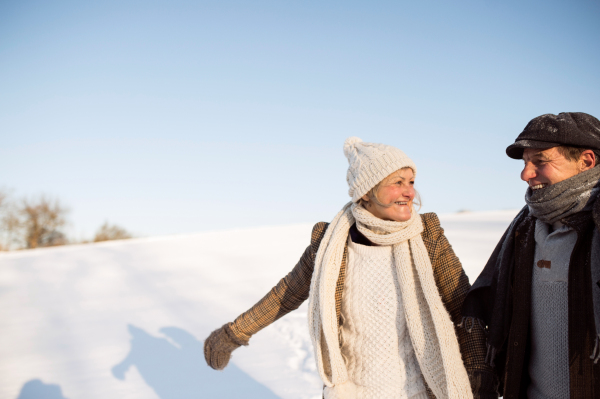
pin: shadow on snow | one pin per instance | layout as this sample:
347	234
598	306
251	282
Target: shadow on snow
177	370
36	389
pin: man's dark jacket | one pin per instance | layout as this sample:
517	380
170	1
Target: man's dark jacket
511	358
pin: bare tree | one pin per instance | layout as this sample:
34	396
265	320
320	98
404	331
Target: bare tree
32	223
42	222
111	232
10	223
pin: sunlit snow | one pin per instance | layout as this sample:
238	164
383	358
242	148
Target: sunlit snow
127	319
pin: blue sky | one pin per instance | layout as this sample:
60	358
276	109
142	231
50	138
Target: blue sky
179	116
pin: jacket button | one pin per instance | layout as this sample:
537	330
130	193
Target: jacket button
516	343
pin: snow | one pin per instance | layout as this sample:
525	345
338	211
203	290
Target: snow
126	319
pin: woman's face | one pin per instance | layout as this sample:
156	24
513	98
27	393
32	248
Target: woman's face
398	190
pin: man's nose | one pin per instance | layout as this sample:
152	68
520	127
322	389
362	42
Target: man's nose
527	173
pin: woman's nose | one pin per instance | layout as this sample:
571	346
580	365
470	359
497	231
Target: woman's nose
410	192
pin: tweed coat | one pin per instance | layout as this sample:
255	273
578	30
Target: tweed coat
450	278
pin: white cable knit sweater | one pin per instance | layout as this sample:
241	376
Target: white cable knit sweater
376	344
430	328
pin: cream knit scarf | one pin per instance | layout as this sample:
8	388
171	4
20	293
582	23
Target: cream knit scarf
429	325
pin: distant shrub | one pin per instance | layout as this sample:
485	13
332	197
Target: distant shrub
31	223
42	221
39	222
111	232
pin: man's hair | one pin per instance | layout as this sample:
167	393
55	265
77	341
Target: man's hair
573	153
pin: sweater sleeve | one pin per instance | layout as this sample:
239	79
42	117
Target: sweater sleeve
453	285
287	295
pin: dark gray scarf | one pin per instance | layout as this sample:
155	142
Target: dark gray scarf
558	201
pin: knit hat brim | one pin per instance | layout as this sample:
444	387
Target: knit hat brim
375	180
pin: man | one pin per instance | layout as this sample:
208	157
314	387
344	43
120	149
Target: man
538	296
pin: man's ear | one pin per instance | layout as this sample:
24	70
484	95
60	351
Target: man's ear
587	160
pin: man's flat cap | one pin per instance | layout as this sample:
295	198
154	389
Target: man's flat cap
573	129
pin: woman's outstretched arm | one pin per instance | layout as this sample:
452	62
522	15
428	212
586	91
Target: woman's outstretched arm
287	295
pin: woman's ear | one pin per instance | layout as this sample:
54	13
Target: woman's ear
365	198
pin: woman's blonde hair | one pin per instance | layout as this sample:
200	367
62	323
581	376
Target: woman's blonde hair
372	194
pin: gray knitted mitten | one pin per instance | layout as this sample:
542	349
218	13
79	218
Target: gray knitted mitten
219	345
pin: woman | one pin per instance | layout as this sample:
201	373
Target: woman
384	290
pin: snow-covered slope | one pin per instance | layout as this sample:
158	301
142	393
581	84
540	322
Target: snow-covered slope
127	319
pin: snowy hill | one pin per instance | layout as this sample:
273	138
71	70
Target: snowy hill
126	319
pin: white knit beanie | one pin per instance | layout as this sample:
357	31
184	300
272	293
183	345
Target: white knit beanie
370	163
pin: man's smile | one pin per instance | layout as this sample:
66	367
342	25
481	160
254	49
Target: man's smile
538	186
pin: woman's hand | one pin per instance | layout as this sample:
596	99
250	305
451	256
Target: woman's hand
219	345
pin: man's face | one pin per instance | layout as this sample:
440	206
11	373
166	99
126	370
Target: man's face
546	167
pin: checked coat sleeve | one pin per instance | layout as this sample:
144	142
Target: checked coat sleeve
286	296
453	285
